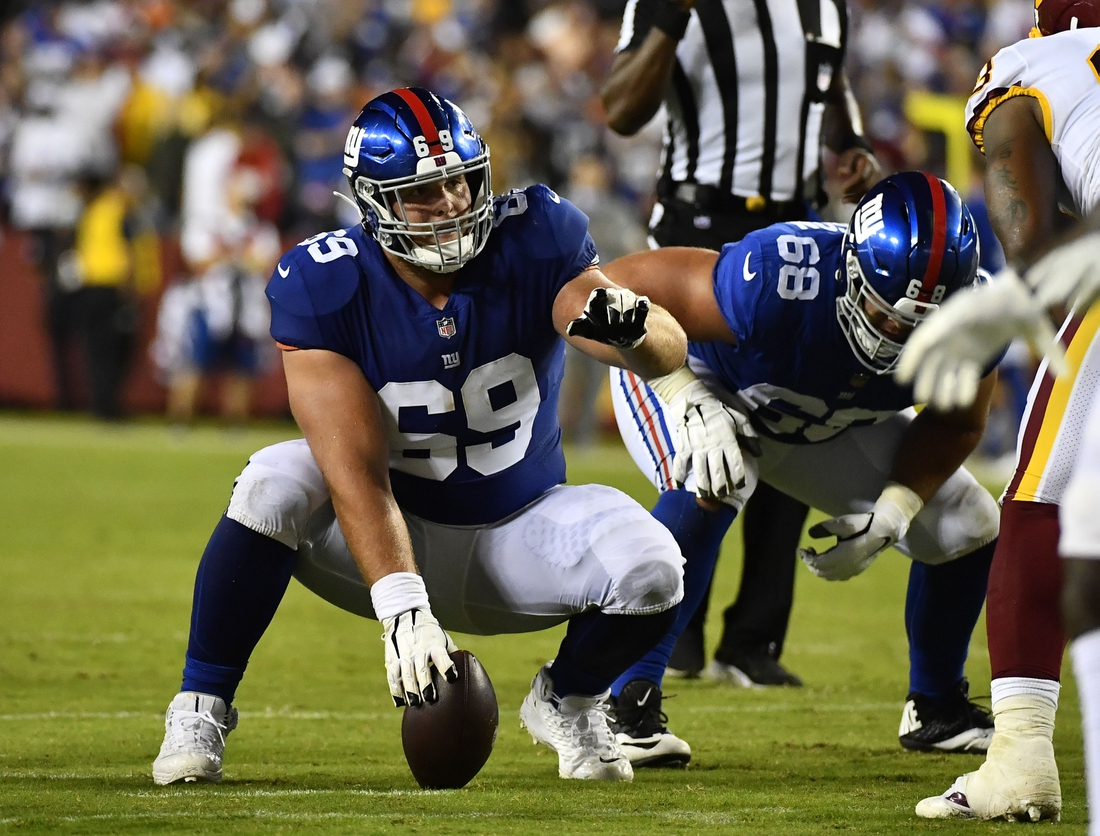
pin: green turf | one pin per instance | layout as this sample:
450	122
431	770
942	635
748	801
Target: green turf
102	530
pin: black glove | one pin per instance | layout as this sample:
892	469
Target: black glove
613	316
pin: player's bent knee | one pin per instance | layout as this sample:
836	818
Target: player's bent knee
972	520
650	586
277	491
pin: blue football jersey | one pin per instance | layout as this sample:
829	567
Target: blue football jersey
777	289
469	393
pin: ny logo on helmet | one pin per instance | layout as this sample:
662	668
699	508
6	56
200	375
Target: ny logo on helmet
352	146
869	220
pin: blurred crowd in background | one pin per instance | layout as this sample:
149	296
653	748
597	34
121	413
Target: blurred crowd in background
214	129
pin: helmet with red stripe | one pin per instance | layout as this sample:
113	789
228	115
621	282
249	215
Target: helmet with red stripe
1065	15
911	243
409	138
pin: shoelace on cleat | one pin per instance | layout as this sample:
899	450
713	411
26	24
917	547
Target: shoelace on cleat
585	729
191	726
642	722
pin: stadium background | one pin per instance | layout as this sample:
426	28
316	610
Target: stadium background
151	77
104	525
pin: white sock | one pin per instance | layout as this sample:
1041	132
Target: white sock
1085	651
1016	686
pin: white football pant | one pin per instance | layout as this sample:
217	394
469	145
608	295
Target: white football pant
573	549
1079	513
842	475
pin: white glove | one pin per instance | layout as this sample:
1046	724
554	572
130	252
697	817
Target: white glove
709	437
613	316
860	538
414	640
945	356
1068	276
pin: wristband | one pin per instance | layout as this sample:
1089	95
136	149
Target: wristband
670	19
398	592
668	386
903	498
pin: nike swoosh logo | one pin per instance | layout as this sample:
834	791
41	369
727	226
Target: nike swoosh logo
745	274
282	272
645	699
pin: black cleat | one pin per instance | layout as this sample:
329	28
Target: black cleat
639	727
949	724
750	669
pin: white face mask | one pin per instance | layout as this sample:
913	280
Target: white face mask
419	243
443	256
872	348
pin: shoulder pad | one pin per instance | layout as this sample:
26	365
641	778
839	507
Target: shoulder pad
322	272
545	224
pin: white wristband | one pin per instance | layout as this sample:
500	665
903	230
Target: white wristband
903	498
397	593
668	386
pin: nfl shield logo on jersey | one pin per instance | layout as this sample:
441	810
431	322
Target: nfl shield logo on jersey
446	327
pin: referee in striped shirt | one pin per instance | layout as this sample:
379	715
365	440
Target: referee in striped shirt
752	89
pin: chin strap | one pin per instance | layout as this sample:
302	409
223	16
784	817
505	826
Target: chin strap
343	196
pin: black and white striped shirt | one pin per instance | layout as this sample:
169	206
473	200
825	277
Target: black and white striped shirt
747	95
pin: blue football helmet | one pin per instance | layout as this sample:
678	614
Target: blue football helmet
411	137
911	243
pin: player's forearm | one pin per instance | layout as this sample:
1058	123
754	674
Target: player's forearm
341	418
930	452
663	350
842	125
374	529
636	85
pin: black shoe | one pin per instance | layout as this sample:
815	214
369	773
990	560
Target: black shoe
750	669
688	656
639	726
948	724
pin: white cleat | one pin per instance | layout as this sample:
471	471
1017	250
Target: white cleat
577	728
1019	779
195	729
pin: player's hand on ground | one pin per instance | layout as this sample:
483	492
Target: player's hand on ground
415	641
710	438
1068	276
613	316
860	538
946	356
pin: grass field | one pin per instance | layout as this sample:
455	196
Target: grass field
102	530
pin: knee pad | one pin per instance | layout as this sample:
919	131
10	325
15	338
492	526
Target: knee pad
655	583
975	520
278	490
984	515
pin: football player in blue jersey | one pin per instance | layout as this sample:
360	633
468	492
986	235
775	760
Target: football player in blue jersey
423	353
797	327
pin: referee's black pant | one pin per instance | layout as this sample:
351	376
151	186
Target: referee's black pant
771	521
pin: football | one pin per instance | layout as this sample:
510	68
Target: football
447	742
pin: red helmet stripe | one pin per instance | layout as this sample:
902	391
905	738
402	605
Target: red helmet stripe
939	238
427	126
